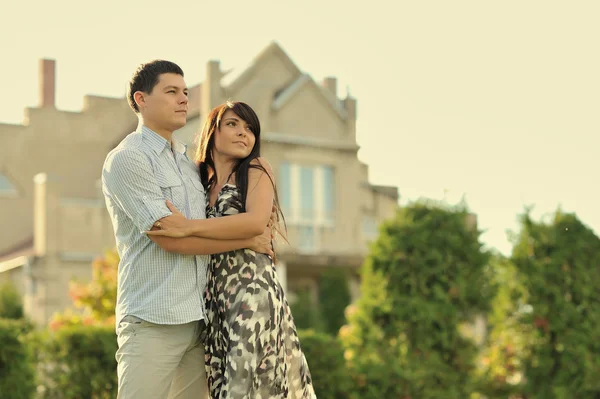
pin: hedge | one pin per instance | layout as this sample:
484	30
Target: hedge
76	362
325	358
17	375
79	362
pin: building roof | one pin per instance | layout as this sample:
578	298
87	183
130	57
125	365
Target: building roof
388	191
23	248
286	94
238	77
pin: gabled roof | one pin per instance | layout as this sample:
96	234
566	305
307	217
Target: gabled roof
234	79
289	92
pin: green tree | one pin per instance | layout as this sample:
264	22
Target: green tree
305	311
559	264
424	280
11	305
334	297
502	371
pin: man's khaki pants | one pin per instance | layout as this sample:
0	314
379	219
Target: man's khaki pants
160	361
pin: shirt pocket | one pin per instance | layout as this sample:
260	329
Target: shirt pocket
171	187
197	197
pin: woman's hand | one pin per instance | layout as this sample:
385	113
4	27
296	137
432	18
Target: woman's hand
175	225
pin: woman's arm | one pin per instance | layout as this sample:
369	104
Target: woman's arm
207	246
259	207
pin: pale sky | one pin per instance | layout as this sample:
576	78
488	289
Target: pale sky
497	101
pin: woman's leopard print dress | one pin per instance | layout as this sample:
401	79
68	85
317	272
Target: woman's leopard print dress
252	348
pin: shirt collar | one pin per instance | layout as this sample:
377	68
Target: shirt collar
179	146
158	143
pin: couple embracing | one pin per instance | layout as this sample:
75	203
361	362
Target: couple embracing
200	310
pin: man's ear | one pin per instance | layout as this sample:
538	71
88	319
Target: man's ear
140	99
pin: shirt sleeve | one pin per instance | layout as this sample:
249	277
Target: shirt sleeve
129	180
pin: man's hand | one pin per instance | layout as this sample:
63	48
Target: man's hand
273	220
274	215
263	243
175	225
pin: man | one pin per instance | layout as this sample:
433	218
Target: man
159	308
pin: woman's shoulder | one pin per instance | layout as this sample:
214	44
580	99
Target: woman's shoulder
262	162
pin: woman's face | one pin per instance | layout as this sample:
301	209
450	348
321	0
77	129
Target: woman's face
234	138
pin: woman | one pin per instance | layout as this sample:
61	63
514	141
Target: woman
252	348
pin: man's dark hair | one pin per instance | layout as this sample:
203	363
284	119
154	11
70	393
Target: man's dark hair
146	77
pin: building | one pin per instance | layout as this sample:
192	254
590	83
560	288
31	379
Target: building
56	213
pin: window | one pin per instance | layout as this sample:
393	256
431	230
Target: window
307	196
306	241
6	186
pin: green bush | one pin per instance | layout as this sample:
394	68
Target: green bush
334	297
559	265
506	345
307	314
17	376
328	314
76	362
325	358
11	305
424	280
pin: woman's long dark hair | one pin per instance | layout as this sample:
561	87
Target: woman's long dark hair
206	145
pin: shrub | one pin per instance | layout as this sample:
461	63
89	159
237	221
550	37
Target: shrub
95	299
424	280
77	362
558	263
17	376
325	358
502	369
307	314
334	297
11	305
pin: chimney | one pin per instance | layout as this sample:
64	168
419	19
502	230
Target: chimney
47	83
349	104
212	93
330	83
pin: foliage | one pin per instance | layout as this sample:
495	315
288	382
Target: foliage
559	265
76	362
334	297
11	305
96	300
306	313
325	358
17	376
502	372
423	282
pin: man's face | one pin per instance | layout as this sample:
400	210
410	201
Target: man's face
166	106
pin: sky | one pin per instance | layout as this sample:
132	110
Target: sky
494	102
